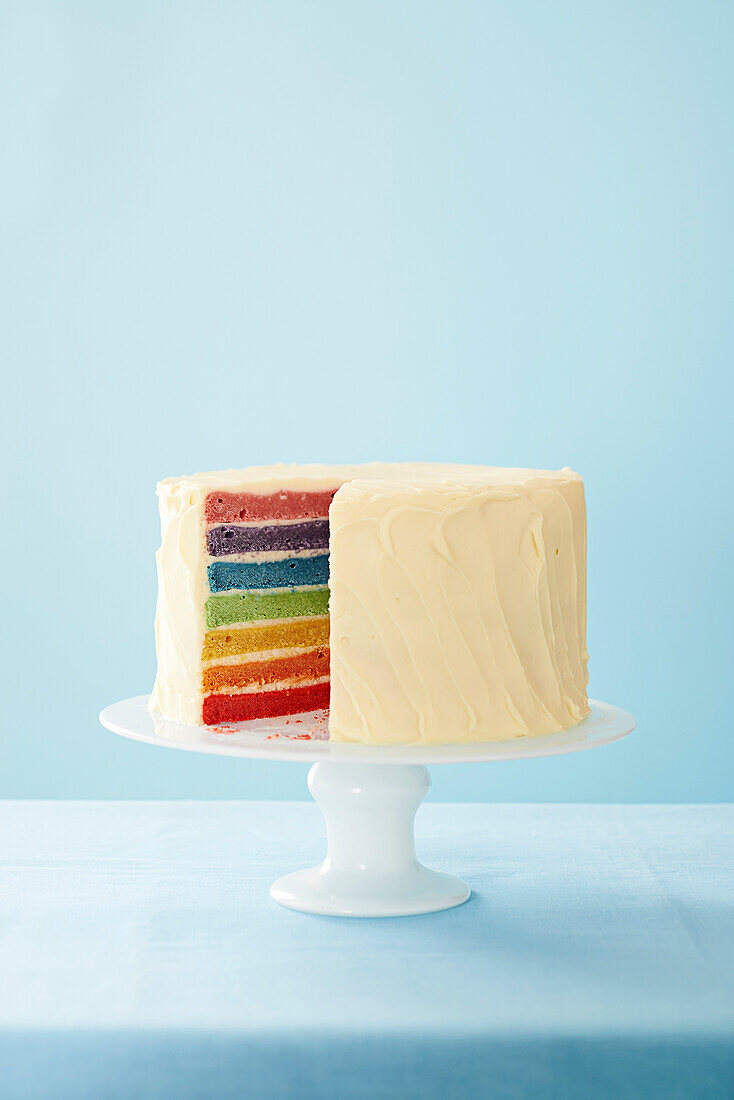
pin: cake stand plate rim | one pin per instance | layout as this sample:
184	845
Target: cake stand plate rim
291	739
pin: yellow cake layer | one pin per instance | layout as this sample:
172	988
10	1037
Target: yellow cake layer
253	639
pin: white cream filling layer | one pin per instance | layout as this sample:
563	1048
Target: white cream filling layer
255	624
261	655
271	592
257	556
212	524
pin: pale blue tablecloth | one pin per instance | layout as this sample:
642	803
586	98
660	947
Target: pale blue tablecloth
141	956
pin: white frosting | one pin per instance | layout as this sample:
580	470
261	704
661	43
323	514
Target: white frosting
458	609
316	478
486	638
183	588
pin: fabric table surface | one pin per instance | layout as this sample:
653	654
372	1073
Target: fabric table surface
141	956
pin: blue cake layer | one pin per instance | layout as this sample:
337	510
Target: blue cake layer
224	575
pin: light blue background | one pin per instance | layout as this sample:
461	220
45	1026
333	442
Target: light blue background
241	232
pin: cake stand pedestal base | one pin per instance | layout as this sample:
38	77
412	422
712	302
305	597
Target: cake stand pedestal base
368	794
370	868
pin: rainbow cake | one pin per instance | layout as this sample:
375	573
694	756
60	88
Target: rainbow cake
421	603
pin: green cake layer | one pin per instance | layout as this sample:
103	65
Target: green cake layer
247	606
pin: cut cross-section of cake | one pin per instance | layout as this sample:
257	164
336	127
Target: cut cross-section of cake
458	598
242	625
268	608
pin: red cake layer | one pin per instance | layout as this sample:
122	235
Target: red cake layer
236	507
265	704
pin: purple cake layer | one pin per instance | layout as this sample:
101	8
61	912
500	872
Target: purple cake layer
312	535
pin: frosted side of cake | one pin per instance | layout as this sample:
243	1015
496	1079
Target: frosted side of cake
458	607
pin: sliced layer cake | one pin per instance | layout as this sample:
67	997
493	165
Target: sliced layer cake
266	647
458	599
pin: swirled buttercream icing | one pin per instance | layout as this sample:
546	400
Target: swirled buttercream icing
449	600
457	608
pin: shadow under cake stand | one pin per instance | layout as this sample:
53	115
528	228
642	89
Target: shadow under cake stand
369	796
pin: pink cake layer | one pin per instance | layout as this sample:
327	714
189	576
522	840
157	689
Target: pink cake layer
224	507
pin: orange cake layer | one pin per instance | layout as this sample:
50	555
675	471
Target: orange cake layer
303	666
252	639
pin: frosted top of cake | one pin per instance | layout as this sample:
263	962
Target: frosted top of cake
316	476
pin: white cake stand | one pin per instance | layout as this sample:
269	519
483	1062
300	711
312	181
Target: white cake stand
368	796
